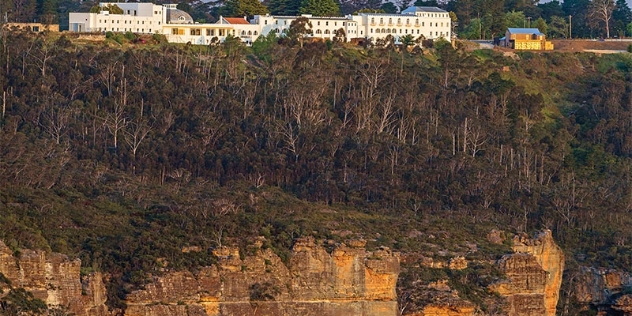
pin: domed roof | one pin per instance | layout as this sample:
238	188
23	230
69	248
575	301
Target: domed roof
178	16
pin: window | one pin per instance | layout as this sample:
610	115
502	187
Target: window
276	22
441	24
390	21
377	31
318	32
254	33
422	23
326	31
243	33
318	23
335	23
399	21
372	20
431	24
143	22
381	21
265	22
208	32
327	23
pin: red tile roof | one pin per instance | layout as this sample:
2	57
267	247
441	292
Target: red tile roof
236	21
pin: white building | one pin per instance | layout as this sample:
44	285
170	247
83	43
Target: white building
179	27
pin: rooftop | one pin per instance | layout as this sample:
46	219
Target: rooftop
520	30
424	9
236	21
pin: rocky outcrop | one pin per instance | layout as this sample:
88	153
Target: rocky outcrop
534	275
347	281
604	289
55	279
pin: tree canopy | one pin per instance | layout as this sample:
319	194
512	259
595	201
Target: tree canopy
320	8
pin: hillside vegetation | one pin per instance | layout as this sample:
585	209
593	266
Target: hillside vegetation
122	155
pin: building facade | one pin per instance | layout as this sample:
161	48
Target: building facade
526	39
179	27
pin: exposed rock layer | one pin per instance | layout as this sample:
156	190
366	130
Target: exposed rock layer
534	275
349	281
55	279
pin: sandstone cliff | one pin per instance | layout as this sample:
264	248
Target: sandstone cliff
349	281
534	275
605	289
55	279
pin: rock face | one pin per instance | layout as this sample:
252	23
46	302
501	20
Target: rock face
605	289
349	281
534	275
55	279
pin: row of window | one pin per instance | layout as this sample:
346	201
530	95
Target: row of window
104	29
433	15
394	31
399	21
212	32
127	22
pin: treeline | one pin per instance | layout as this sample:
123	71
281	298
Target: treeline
473	19
122	156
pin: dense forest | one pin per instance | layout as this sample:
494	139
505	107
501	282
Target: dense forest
122	155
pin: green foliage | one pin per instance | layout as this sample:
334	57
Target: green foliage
130	36
285	7
244	8
473	30
389	7
320	8
299	29
515	19
368	10
266	46
407	40
112	8
21	302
